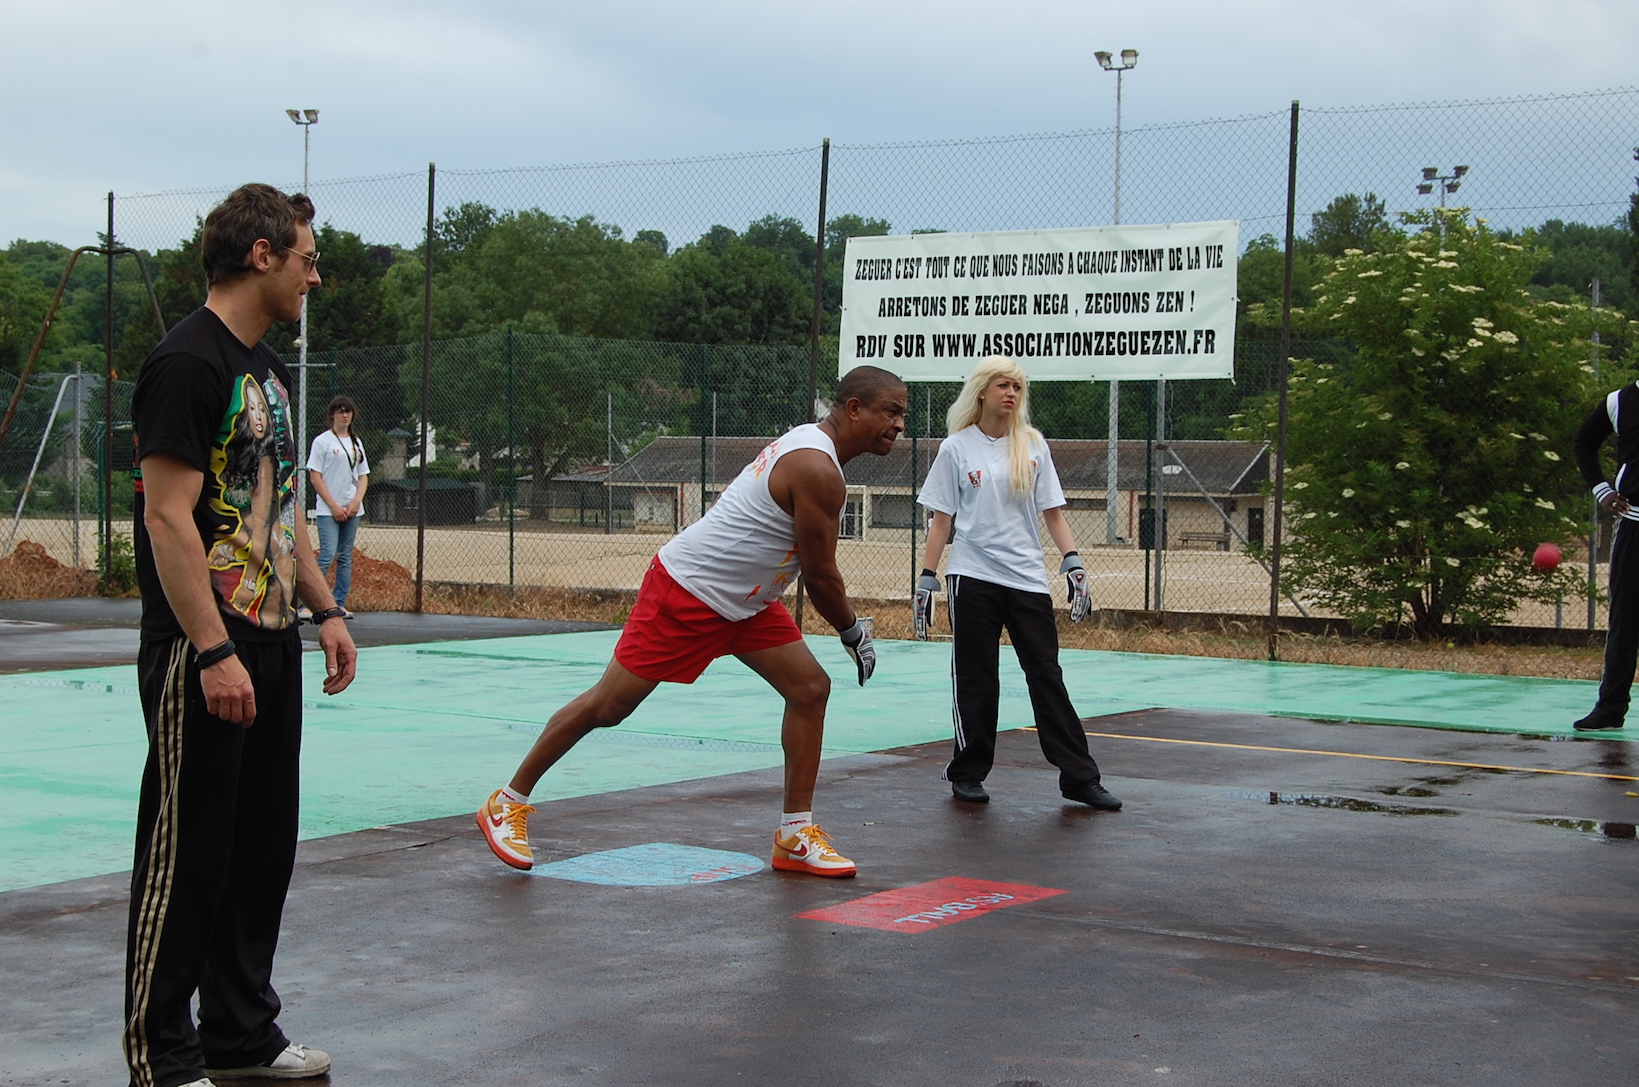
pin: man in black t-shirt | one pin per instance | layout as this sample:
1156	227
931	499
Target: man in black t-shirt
222	557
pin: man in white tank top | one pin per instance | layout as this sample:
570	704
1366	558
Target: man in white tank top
714	590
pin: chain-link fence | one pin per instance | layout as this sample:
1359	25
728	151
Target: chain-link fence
586	399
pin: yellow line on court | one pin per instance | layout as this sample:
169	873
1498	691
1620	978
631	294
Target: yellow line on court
1358	755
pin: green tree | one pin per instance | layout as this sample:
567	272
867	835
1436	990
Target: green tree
721	290
1350	221
546	274
1426	467
23	305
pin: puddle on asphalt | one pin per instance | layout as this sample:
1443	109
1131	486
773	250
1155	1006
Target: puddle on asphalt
1613	831
1342	803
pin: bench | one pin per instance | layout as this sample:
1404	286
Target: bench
1218	540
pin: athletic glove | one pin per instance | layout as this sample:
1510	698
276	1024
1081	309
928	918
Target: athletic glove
859	646
923	605
1075	580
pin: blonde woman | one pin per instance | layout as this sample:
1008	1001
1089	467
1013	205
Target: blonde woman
993	477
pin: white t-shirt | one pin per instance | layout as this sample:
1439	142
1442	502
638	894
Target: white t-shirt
341	463
742	555
998	538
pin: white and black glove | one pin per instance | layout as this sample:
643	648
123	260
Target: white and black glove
923	604
859	646
1075	581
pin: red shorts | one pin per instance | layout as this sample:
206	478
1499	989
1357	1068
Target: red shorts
671	636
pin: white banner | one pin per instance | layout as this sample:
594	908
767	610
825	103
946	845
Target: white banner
1108	302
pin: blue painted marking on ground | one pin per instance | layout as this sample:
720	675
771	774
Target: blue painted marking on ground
657	864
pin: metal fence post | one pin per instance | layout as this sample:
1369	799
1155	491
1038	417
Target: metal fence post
426	377
1149	500
106	564
1593	533
701	426
1285	355
512	467
910	425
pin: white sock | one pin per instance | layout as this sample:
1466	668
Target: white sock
514	796
793	821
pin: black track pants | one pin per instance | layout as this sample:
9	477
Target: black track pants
216	842
978	612
1622	634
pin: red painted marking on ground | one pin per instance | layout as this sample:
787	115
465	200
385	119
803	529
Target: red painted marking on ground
930	905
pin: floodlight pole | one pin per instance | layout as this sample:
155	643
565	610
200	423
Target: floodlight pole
307	119
1112	528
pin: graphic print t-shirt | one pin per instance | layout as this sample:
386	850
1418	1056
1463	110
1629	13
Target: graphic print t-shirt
223	408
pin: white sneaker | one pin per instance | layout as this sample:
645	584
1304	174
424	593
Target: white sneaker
296	1062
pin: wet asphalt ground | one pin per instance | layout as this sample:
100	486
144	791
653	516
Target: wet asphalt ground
1281	901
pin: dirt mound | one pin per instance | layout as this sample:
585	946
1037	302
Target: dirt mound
380	585
29	573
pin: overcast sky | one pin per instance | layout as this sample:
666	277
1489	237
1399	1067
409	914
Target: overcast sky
172	94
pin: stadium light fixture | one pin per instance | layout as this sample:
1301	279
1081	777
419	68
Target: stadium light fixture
1433	180
1103	56
1129	58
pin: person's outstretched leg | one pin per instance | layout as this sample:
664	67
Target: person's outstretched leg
799	844
504	818
976	629
1031	625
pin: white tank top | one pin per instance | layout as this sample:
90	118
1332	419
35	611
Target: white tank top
742	554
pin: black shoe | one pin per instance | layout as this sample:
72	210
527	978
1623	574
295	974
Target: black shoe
971	791
1094	796
1599	721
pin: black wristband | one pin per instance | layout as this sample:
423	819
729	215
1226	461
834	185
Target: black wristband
929	573
1070	552
216	654
328	613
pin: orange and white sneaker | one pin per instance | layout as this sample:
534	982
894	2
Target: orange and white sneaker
506	829
809	850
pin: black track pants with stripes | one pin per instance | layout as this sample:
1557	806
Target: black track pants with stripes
216	842
979	610
1622	633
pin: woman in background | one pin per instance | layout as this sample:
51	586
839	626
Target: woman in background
993	476
340	475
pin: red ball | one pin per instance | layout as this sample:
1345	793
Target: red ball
1547	557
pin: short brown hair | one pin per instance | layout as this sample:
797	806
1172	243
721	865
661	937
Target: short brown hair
250	212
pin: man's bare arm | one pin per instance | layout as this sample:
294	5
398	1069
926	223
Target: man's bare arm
810	482
171	488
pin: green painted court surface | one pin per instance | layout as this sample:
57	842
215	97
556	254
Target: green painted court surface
429	730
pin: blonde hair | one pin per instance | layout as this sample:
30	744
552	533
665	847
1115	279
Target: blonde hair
1021	436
